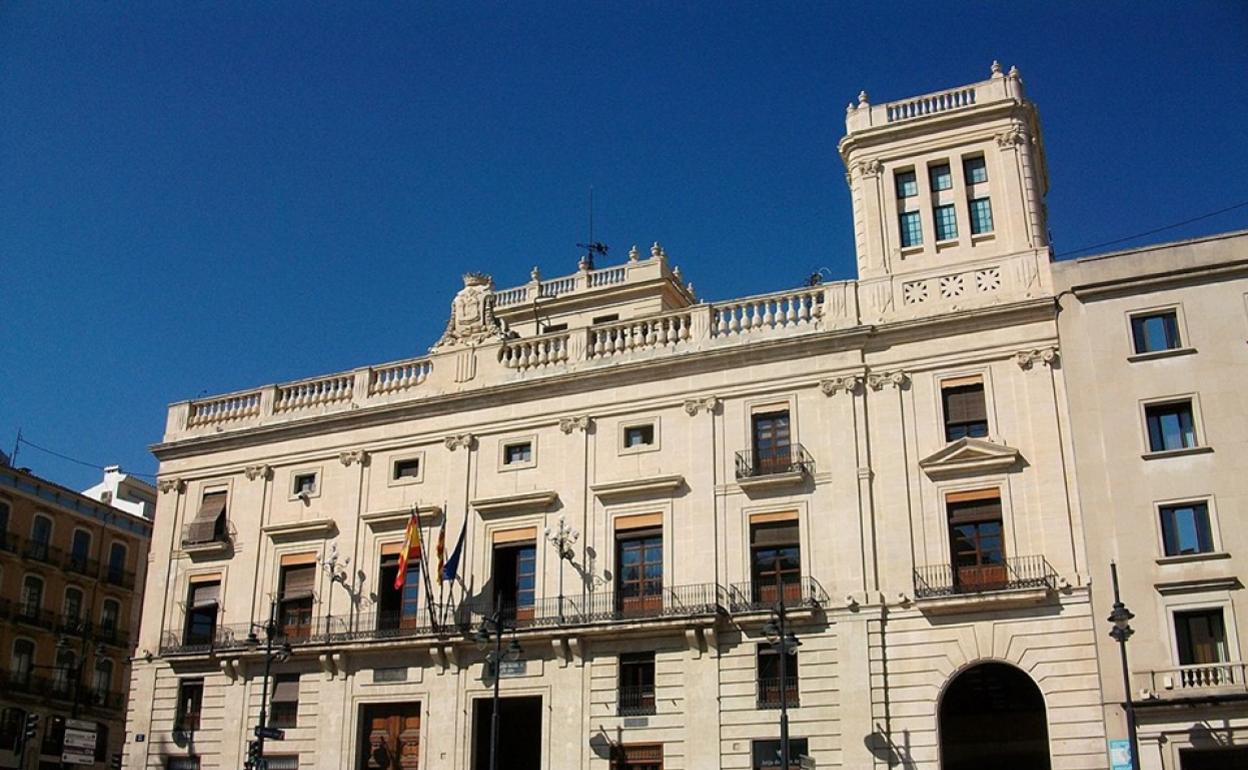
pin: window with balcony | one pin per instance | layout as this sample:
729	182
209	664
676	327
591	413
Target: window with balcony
295	598
110	615
190	704
398	606
946	221
965	412
22	662
117	563
775	561
770	682
941	177
766	754
79	550
284	711
771	442
32	597
636	685
515	577
981	215
209	525
12	726
637	757
102	680
72	610
1154	332
910	224
976	542
639	573
1170	426
40	545
201	611
1201	637
62	673
1185	529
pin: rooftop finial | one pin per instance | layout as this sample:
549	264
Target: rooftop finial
655	250
850	107
634	254
535	274
996	68
676	273
863	99
1014	72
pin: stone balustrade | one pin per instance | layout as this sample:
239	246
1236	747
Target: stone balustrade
999	87
1186	681
634	271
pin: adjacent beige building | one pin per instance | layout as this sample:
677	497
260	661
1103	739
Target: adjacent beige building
893	456
1154	359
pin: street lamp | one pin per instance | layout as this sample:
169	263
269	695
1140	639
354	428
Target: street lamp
492	629
255	758
1121	617
562	537
785	643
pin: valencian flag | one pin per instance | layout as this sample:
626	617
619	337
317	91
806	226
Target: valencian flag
447	573
440	549
411	550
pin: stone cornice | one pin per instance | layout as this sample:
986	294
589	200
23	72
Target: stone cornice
652	486
301	530
522	502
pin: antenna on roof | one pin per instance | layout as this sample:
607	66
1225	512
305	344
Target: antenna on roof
592	247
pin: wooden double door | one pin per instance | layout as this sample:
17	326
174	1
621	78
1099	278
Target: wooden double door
391	736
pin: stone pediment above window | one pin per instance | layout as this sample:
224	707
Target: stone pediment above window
521	502
970	457
310	529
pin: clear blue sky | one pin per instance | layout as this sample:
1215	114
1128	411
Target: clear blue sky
196	198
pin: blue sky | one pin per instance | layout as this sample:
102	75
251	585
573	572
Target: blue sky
196	198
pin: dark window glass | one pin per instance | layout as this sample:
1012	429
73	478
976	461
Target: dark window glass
1185	529
80	549
305	484
201	614
941	177
636	695
22	662
398	607
1157	331
1170	426
975	170
190	704
965	412
946	222
295	606
638	435
407	469
981	215
32	596
978	550
284	708
515	578
775	559
12	725
911	226
4	517
182	763
518	453
907	184
1201	636
73	604
639	573
772	443
116	562
770	681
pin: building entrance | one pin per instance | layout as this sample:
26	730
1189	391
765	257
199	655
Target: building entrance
519	733
1213	759
992	715
390	736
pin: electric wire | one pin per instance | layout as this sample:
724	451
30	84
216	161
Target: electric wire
1158	230
22	441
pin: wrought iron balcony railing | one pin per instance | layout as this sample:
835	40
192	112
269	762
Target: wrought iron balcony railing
81	565
936	580
803	592
794	458
36	550
123	578
769	691
604	607
10	542
35	616
635	701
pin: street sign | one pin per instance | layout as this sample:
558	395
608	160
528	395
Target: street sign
271	733
511	668
1120	754
78	747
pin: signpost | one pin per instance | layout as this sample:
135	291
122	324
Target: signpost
79	744
271	733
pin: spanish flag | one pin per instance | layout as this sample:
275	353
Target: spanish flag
411	550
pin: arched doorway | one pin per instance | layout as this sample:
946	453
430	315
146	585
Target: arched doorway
992	715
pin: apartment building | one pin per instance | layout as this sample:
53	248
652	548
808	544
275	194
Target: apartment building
72	570
889	459
1154	342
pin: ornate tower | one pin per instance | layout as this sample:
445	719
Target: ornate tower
948	194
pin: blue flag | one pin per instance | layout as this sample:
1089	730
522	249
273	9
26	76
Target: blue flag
452	564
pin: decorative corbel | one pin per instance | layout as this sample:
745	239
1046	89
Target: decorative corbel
353	456
230	672
897	379
849	383
173	484
260	471
695	405
1011	137
327	666
562	653
1027	359
694	641
569	424
439	654
455	441
712	639
871	168
578	647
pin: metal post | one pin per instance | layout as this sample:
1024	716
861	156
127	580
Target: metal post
498	657
1121	634
784	674
270	630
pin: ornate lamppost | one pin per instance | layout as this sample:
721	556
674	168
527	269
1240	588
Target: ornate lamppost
1121	617
255	754
562	537
785	643
491	630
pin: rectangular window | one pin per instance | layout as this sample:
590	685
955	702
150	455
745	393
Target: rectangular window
771	683
208	526
79	550
552	328
637	757
281	761
182	763
1170	426
907	184
639	571
294	607
981	216
911	229
965	412
398	607
775	561
1155	331
605	319
284	711
518	454
636	694
767	754
975	170
190	704
201	612
772	443
304	484
638	435
515	578
1185	529
407	469
941	177
1201	636
946	222
976	543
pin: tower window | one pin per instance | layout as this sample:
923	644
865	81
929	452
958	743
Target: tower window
946	222
911	229
981	216
907	184
975	169
942	177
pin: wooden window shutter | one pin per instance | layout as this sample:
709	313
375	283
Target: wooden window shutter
203	527
965	403
298	582
774	534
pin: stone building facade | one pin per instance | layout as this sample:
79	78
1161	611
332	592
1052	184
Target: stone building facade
72	571
891	456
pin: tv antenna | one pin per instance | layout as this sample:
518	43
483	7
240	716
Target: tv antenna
592	247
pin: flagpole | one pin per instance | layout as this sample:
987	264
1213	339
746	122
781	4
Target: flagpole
424	565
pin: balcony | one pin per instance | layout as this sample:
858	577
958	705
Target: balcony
195	544
111	635
604	607
1017	581
776	467
1200	681
123	578
799	593
769	691
81	565
35	616
636	701
42	552
9	542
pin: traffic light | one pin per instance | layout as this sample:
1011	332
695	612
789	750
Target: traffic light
253	756
115	762
32	726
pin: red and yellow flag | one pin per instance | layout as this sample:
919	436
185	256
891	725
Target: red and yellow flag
440	549
411	550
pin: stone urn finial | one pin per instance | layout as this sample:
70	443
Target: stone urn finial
655	250
863	99
996	68
535	274
634	254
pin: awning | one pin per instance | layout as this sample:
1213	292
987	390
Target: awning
203	528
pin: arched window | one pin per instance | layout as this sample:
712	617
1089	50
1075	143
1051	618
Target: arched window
110	615
40	538
32	596
116	562
4	516
79	550
62	677
73	605
993	715
22	662
102	681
